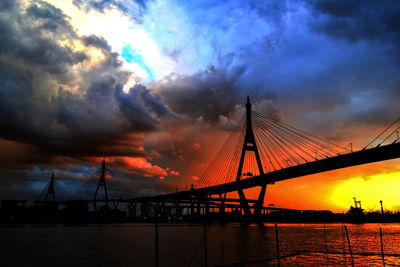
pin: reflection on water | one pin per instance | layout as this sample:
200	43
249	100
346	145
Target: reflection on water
233	244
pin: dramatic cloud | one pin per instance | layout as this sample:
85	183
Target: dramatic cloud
156	86
62	94
48	94
206	94
370	20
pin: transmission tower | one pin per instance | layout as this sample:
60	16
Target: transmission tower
102	183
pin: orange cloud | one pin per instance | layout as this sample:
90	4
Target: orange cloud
143	167
196	146
174	173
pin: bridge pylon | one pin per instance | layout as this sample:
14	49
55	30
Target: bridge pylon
250	145
102	183
50	189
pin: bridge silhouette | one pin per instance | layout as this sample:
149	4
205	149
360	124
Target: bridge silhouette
261	151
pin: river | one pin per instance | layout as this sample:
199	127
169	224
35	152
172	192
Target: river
232	244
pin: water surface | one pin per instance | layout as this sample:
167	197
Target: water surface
232	244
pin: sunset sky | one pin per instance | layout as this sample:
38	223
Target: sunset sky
156	86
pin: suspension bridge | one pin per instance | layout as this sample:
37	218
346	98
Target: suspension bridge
262	151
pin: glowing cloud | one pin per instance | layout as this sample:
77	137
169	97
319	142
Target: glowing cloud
131	40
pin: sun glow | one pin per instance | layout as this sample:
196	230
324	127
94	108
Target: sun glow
147	61
369	191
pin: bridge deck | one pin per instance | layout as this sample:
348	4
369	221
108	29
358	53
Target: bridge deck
380	153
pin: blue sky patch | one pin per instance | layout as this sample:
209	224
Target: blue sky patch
133	55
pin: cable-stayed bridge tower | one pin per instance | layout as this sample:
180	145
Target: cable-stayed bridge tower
250	145
50	189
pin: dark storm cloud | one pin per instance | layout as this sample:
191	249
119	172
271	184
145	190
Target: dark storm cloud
322	74
87	116
208	94
37	108
153	101
99	5
15	92
32	39
96	41
137	103
111	63
6	4
271	10
88	125
355	20
67	124
326	65
133	8
51	19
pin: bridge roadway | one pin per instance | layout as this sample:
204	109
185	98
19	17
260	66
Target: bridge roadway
122	200
379	153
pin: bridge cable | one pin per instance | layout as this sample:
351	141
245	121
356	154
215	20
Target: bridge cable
382	133
389	135
290	148
307	139
309	142
220	161
305	134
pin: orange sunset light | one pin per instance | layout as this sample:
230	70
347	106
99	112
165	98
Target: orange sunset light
369	190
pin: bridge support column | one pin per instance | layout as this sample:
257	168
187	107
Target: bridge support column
250	144
244	206
207	206
192	207
157	210
198	207
260	201
222	207
131	209
178	212
144	210
163	209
